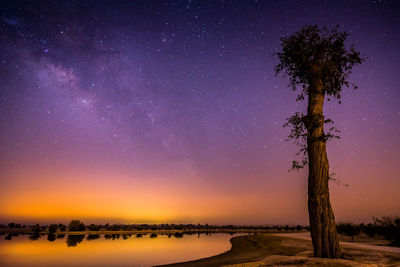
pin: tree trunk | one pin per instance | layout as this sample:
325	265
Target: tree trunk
322	221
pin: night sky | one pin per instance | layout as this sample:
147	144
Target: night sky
170	111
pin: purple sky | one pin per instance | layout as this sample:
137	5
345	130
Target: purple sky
174	107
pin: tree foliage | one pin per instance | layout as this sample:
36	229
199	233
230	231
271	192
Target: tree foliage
298	133
314	52
62	227
37	228
94	227
76	225
311	54
53	228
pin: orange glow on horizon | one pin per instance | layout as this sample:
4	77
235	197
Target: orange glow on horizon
91	196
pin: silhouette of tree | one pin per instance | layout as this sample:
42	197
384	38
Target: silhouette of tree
76	225
93	227
53	228
92	237
62	227
34	237
126	236
36	228
299	227
318	63
74	240
178	235
108	236
153	235
51	237
349	229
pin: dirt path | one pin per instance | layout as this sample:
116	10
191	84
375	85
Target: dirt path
306	236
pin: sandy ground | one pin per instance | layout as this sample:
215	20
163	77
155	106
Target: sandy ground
307	236
279	250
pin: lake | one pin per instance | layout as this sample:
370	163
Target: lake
108	250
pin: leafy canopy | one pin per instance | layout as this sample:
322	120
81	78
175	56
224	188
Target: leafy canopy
309	55
314	53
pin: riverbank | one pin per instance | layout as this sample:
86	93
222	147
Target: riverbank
271	250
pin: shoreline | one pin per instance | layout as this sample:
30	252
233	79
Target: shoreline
271	250
263	248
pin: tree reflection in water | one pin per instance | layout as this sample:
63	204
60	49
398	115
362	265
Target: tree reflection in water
126	236
153	235
34	237
51	237
74	240
92	237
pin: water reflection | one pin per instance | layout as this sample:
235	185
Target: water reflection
108	250
92	237
126	236
51	237
74	240
34	237
10	236
111	236
153	235
178	235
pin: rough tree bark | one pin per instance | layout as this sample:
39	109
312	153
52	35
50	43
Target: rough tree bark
322	221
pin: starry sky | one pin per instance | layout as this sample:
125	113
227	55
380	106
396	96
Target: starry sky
170	111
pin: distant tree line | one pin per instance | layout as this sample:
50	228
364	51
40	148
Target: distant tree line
387	227
77	226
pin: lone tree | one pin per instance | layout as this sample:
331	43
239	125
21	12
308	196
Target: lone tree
318	64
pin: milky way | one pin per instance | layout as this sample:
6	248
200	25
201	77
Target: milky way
171	111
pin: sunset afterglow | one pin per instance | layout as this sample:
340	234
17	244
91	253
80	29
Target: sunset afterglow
148	113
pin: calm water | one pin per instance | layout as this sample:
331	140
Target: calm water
108	250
